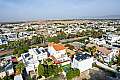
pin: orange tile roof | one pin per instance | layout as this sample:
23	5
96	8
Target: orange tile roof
57	47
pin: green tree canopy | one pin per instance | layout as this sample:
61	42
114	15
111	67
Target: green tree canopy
30	29
53	39
72	73
40	70
20	66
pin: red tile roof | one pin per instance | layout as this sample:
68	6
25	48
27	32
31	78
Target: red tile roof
57	47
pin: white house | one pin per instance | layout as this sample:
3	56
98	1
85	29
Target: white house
2	74
18	77
58	53
98	41
30	63
112	38
111	55
6	66
9	69
38	53
32	58
11	36
82	61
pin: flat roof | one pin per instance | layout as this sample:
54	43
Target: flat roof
80	56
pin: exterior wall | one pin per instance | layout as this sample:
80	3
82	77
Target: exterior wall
10	71
65	63
51	50
37	56
112	55
1	42
82	65
59	54
30	68
56	54
18	77
113	38
33	53
42	56
2	74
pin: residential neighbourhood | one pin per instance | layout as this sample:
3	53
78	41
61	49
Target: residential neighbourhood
60	50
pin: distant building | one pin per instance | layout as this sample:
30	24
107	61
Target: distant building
111	55
111	37
98	41
11	36
3	41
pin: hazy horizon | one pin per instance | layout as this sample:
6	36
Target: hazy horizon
19	10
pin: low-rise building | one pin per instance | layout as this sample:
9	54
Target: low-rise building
33	58
3	41
38	53
82	61
28	60
58	53
111	37
18	77
2	74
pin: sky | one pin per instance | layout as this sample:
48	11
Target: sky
18	10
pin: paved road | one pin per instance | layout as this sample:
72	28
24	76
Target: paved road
72	39
6	52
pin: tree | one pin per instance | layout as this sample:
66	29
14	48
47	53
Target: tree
29	78
61	36
72	73
40	70
118	29
96	34
51	70
20	47
53	39
118	60
36	40
7	78
93	50
20	66
81	34
71	35
15	51
49	61
68	53
1	79
30	29
70	46
77	72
